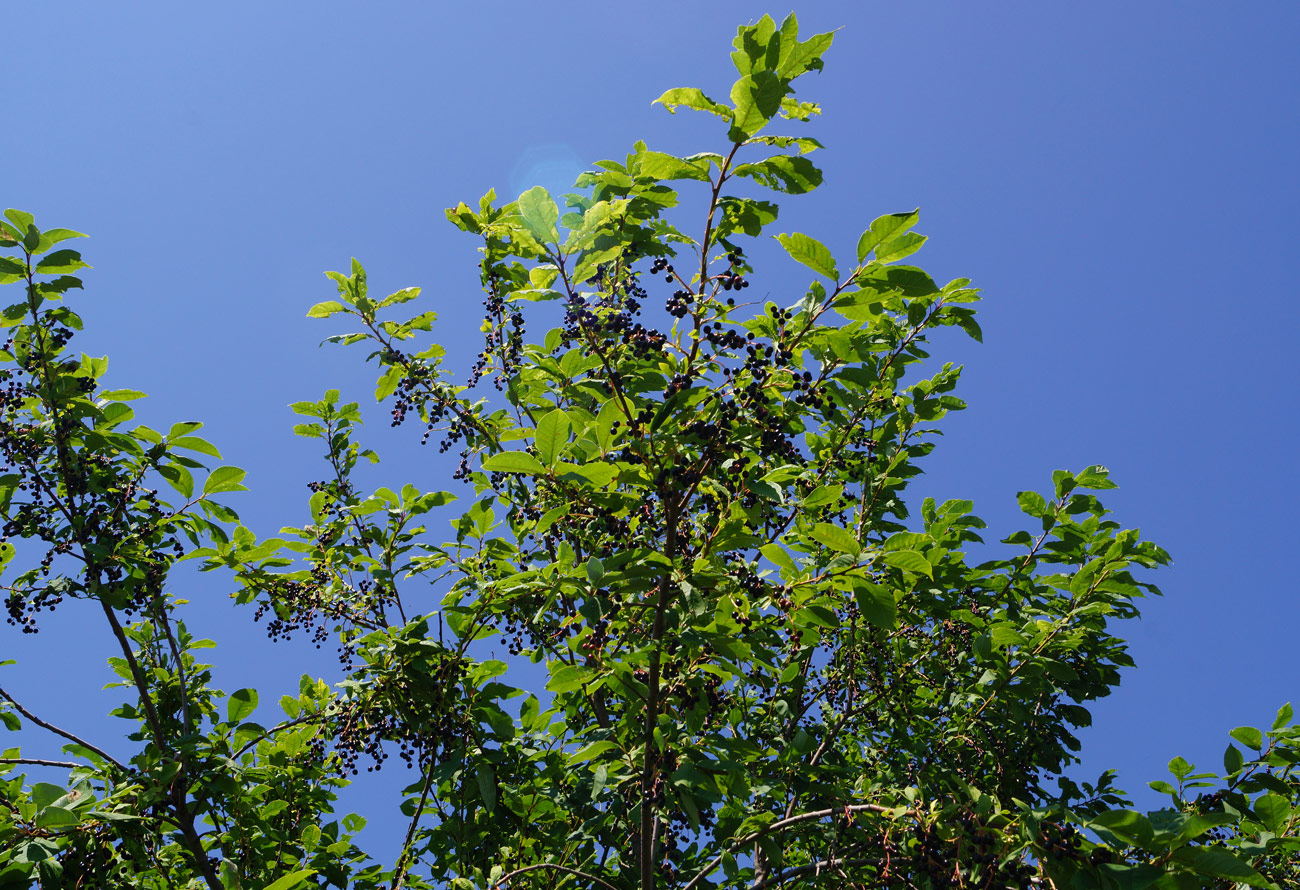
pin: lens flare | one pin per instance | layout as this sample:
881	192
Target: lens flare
553	166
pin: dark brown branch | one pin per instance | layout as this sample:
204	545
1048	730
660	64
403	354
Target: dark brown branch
33	761
403	861
61	732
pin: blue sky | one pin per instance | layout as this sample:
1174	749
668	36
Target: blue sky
1119	178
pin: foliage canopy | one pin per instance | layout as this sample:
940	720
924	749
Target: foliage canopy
763	666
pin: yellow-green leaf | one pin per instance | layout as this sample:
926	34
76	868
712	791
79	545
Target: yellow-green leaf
836	538
811	252
514	462
909	560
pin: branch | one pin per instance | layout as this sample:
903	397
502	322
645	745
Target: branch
63	732
650	767
564	868
180	662
32	761
814	868
402	863
777	826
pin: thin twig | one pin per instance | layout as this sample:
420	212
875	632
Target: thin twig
777	826
402	861
810	869
564	868
274	729
180	662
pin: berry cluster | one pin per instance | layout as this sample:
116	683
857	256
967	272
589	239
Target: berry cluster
606	316
426	714
72	499
503	328
732	279
1060	841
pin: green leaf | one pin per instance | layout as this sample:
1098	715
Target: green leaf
514	462
1274	811
1130	877
693	98
45	793
797	57
763	47
1032	503
909	560
790	174
876	604
884	228
539	213
405	295
326	309
1218	862
1128	825
388	382
757	99
805	144
567	678
12	270
905	541
1005	634
1095	477
1180	767
224	479
836	538
21	219
552	434
59	262
51	237
310	836
291	881
897	248
179	478
823	494
595	570
487	784
744	215
122	395
811	252
56	817
658	165
1248	736
1284	715
777	554
240	704
194	443
1232	759
907	281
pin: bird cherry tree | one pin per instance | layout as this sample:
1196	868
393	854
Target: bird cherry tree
688	631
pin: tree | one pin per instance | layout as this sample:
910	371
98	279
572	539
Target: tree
762	668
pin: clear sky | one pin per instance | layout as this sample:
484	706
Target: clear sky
1120	178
